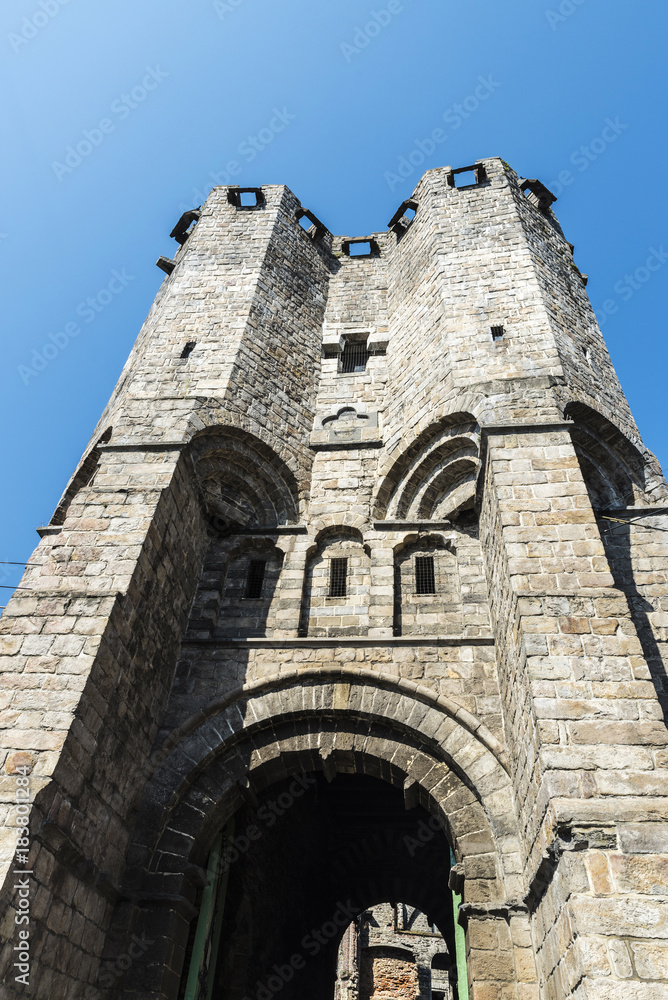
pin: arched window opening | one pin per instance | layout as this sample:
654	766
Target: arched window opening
427	593
236	590
337	586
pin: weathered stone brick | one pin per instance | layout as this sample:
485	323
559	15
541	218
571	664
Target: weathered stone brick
495	645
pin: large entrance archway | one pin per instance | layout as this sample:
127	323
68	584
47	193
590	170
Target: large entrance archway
302	861
358	744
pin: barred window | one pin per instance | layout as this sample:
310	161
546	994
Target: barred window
338	571
255	578
425	582
354	357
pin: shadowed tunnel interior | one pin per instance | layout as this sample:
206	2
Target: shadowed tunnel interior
304	859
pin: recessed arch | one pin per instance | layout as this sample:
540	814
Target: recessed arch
613	468
439	471
212	417
451	440
244	482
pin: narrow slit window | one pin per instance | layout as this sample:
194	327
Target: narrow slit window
255	578
425	581
338	572
354	358
497	332
188	349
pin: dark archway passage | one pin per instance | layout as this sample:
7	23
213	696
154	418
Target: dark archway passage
306	857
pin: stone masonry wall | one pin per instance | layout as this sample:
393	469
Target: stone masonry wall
637	548
88	661
545	639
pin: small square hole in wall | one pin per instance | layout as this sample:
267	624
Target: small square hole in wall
497	332
305	223
465	179
360	249
409	214
248	199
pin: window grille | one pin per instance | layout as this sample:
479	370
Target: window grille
255	578
497	332
338	571
425	582
354	357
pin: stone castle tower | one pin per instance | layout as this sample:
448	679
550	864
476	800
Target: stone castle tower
358	596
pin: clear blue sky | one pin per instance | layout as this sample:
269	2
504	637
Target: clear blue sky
350	87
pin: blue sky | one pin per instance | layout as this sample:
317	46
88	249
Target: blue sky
327	97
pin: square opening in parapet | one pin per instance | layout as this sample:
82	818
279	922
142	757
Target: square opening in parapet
360	249
248	199
409	214
305	223
466	178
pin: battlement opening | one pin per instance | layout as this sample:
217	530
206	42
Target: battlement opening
311	224
467	176
538	194
246	197
361	248
185	226
403	216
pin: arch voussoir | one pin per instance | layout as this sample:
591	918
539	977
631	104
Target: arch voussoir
336	721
